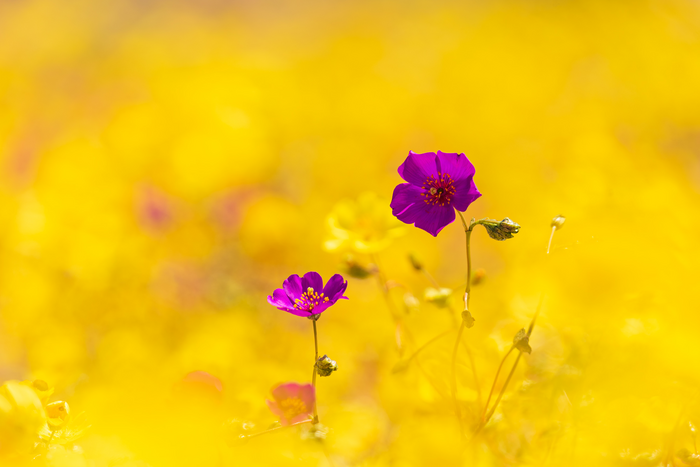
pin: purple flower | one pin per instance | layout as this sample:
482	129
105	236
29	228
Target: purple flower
437	185
306	296
293	402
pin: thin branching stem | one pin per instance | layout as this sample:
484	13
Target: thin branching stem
495	380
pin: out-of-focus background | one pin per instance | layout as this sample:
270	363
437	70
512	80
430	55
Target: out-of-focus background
166	165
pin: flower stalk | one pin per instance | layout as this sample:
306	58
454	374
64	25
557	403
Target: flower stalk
313	376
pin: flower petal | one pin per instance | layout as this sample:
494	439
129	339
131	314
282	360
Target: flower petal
436	220
274	408
418	167
457	165
335	287
465	194
312	279
286	391
405	195
307	394
293	287
280	299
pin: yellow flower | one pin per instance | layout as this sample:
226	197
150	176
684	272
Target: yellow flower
21	417
365	225
41	388
61	427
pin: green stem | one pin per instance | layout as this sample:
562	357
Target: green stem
495	380
503	389
453	379
313	377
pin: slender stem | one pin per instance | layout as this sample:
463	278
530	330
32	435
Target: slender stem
255	435
495	380
424	346
554	229
467	290
479	396
503	389
395	316
430	278
453	379
313	376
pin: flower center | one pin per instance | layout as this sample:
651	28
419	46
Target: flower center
439	191
309	300
292	407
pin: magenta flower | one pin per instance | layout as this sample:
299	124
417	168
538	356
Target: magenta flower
306	296
437	185
293	402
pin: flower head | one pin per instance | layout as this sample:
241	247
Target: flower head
363	225
293	402
306	296
437	185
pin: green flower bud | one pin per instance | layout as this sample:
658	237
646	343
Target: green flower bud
502	230
521	341
558	222
325	366
438	297
467	319
415	262
355	269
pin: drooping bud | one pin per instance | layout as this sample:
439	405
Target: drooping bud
355	269
57	413
438	297
325	366
502	230
521	341
415	262
558	222
467	319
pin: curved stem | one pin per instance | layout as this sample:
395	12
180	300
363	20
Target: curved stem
479	396
400	330
551	236
313	376
424	346
495	380
503	389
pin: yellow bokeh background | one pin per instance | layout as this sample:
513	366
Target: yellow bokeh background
164	166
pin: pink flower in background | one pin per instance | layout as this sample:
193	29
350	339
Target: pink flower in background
293	402
437	185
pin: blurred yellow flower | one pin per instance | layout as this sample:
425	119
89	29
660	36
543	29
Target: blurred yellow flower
21	417
41	388
365	225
